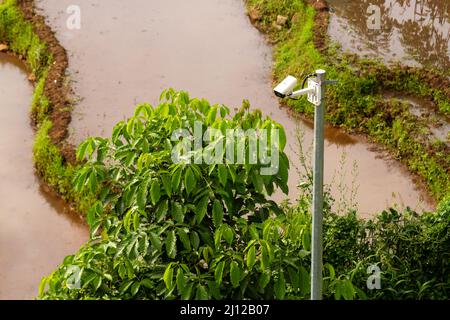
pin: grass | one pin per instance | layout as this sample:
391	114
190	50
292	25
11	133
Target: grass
356	104
19	34
50	165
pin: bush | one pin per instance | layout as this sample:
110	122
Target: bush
412	251
165	230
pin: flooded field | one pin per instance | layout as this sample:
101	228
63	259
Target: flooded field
122	56
415	32
36	231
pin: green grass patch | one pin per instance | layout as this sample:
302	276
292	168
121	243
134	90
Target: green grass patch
21	38
50	165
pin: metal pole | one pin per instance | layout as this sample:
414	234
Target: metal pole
317	206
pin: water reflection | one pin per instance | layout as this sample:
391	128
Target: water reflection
414	31
35	234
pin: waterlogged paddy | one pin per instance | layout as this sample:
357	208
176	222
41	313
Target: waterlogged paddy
415	32
36	232
127	52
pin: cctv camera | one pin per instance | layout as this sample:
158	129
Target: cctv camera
286	87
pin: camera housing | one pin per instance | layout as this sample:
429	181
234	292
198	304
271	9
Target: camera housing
286	87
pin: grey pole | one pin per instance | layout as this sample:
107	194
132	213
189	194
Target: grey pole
317	206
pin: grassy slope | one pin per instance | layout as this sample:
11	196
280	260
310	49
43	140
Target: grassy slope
356	103
23	41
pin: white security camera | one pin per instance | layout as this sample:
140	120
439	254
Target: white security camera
286	87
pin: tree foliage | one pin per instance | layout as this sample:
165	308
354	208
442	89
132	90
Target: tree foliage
164	230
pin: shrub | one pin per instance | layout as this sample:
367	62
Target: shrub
164	230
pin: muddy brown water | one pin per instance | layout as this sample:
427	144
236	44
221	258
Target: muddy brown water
127	52
415	32
36	231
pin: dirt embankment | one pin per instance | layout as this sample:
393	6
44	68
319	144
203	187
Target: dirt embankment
56	88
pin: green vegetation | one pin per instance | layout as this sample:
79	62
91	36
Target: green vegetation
50	165
171	231
357	104
21	38
411	251
163	230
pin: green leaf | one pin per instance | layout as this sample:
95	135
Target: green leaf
294	278
201	293
90	217
280	287
122	272
125	286
127	220
81	152
264	280
176	179
147	283
181	281
235	274
156	242
332	273
282	135
251	257
212	114
187	292
117	131
161	211
218	237
254	232
155	192
171	245
361	294
42	286
305	281
130	269
306	239
135	288
97	282
136	220
218	273
284	173
258	182
201	209
223	174
338	290
348	292
265	260
228	234
190	181
141	196
195	240
167	184
177	212
217	213
80	180
214	290
93	182
232	172
168	277
184	238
